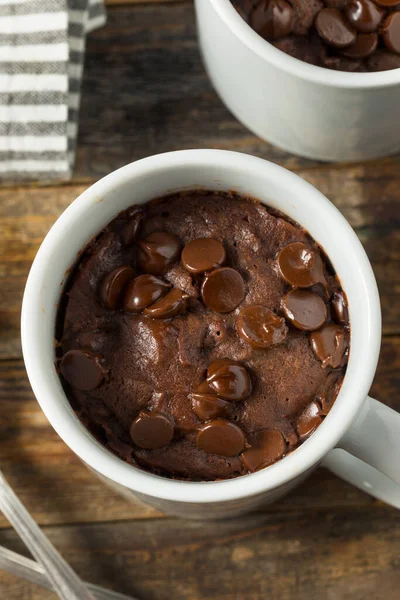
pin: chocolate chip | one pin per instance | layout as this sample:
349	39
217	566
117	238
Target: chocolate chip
308	421
383	61
330	345
365	44
172	304
203	254
272	19
143	291
300	265
223	290
391	32
266	447
334	29
304	309
220	437
130	230
113	286
204	388
229	379
329	391
339	308
82	370
260	327
157	251
207	405
152	430
364	15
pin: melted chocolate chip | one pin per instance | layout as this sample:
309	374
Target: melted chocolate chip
329	391
391	32
300	265
207	405
260	327
203	254
152	430
229	379
334	29
113	286
266	447
143	291
339	308
308	421
223	290
172	304
330	345
365	44
131	229
82	370
364	15
221	437
157	251
272	19
304	309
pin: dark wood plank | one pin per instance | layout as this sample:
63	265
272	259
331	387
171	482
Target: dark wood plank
57	488
342	554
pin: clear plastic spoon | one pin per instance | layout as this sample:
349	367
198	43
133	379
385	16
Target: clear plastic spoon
31	571
65	582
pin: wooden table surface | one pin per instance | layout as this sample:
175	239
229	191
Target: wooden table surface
145	91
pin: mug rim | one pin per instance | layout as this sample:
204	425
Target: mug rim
294	66
47	386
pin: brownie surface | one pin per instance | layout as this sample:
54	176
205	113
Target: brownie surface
156	364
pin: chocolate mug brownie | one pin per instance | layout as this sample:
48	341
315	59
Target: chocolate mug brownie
202	336
345	35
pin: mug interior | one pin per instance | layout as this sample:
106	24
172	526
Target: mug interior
292	65
157	176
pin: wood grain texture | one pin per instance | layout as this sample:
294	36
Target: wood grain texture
322	554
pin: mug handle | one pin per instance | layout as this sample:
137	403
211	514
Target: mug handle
368	455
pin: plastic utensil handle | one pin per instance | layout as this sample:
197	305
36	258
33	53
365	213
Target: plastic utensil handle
65	581
31	571
368	454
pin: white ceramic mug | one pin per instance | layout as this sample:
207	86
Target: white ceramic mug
304	109
356	428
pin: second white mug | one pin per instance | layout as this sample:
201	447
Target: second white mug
307	110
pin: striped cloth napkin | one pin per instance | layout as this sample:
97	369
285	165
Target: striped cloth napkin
42	46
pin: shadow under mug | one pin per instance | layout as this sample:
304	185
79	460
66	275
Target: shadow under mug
359	439
307	110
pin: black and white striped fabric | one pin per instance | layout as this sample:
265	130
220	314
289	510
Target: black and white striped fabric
42	47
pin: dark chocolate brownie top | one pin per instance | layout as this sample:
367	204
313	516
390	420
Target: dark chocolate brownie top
202	336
